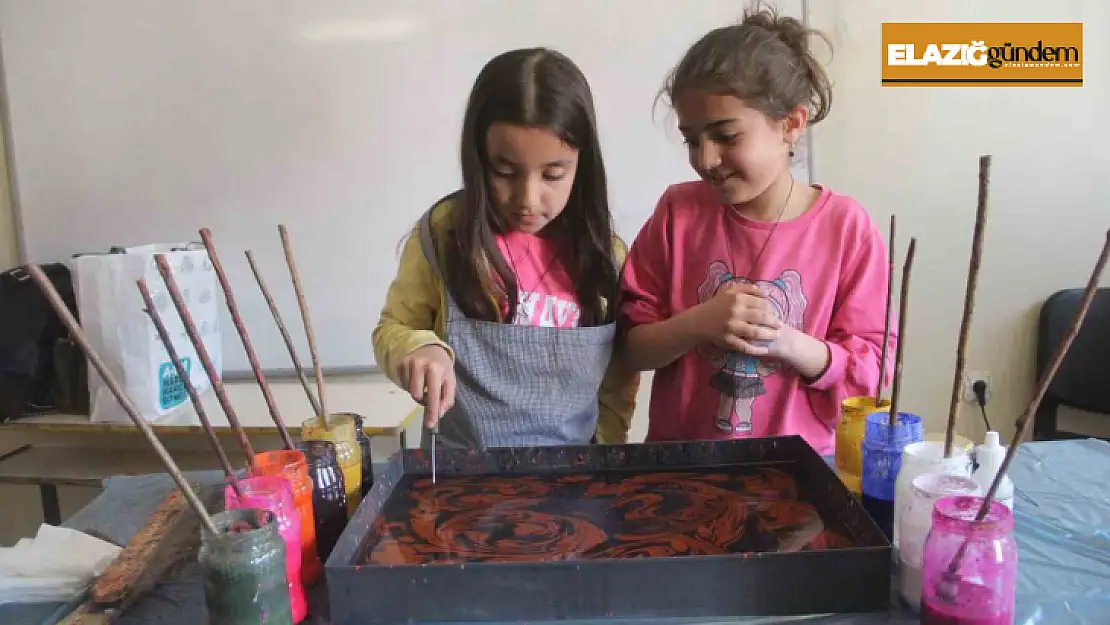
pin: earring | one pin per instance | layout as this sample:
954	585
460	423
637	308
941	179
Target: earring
791	152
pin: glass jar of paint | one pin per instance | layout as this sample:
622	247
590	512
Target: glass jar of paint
341	431
849	436
273	493
291	465
367	461
958	442
918	459
915	521
243	569
329	499
981	590
882	459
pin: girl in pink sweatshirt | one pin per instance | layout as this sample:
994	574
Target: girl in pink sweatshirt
759	301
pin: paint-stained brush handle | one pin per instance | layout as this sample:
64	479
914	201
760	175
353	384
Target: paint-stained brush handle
285	336
903	315
183	375
248	347
969	301
302	303
889	309
1026	418
78	334
202	353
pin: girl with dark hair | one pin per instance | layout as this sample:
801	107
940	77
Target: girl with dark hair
760	301
501	318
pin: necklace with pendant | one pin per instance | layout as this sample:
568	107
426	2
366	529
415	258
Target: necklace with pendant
741	379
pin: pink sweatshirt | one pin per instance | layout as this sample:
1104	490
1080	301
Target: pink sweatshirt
825	273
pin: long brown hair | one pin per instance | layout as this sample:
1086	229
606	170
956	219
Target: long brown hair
534	87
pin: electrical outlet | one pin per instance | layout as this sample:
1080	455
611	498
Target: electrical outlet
971	378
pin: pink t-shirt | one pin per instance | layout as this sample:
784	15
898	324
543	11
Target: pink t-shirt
545	293
825	273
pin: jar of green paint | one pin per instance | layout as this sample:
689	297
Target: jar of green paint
243	567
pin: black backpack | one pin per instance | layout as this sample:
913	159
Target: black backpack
41	368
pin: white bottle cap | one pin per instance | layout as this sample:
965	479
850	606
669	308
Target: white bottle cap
991	440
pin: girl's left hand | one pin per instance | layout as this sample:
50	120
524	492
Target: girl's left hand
806	354
781	346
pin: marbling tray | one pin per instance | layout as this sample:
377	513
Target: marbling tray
754	527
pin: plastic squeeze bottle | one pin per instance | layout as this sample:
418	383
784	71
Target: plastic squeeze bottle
990	455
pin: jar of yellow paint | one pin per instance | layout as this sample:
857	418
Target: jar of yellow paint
341	433
849	435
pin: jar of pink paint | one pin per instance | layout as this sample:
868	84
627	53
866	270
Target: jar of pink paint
981	590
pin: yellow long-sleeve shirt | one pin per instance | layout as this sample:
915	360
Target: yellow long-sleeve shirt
415	315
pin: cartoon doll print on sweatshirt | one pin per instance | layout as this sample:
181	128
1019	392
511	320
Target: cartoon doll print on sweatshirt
739	377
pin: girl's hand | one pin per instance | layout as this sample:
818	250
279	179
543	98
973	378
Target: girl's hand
428	374
738	318
809	356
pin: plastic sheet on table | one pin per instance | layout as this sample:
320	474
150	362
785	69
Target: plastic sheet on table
1062	508
1062	521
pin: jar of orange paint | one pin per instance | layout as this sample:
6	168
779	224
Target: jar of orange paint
292	465
341	432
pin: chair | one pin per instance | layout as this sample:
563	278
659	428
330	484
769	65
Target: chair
1083	380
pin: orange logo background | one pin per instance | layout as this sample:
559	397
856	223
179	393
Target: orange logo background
983	54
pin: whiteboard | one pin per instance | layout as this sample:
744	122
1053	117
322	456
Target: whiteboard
140	121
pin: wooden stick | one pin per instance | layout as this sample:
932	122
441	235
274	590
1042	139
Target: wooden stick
114	386
969	302
289	260
120	577
167	540
886	324
316	408
202	353
903	311
1026	418
167	341
252	357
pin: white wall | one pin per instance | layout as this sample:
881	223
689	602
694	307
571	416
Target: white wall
914	151
135	122
1048	182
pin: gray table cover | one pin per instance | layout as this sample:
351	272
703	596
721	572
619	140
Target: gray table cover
1062	510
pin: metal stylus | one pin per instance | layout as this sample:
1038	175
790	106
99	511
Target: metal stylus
435	435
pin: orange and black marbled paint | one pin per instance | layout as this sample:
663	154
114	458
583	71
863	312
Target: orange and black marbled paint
611	514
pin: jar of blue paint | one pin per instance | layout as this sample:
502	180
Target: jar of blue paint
882	447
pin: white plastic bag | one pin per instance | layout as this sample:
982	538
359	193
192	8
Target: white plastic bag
112	314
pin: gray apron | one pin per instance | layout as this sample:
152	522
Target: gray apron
519	385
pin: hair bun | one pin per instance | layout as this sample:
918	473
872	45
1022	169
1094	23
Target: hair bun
787	29
793	33
766	60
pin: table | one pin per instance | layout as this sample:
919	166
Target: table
49	462
1062	510
51	467
386	410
